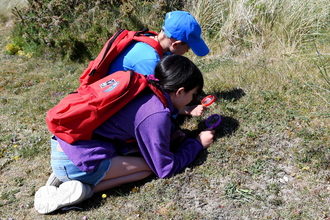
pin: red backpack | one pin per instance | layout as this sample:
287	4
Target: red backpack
100	96
79	113
98	68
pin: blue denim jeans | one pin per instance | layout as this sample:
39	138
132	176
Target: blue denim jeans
65	170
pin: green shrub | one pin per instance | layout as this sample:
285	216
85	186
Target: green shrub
76	30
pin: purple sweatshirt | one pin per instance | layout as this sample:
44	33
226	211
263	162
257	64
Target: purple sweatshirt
147	120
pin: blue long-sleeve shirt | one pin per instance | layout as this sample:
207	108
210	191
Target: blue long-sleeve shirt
147	120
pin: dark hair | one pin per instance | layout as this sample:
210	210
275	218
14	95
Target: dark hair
175	71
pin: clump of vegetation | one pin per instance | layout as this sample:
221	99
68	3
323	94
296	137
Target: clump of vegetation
76	30
261	25
13	48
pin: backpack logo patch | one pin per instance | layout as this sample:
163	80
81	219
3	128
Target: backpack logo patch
111	81
112	84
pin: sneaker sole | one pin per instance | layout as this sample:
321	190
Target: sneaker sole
50	198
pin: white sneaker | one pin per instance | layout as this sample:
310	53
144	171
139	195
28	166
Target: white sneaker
50	198
53	181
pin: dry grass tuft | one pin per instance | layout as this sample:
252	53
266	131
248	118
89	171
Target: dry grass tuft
279	27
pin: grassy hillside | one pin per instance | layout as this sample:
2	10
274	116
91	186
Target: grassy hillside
269	68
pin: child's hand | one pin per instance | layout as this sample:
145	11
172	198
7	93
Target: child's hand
206	137
193	110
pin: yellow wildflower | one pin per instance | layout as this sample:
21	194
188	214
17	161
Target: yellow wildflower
29	55
12	48
305	168
20	53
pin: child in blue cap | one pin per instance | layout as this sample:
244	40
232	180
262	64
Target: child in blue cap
180	32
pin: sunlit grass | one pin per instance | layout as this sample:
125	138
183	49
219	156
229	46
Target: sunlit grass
271	156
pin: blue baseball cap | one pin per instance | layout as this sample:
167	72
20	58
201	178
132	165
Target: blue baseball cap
182	26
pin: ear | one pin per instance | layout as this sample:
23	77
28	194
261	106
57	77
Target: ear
179	92
176	43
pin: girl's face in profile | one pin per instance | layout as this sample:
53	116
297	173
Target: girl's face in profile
181	98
